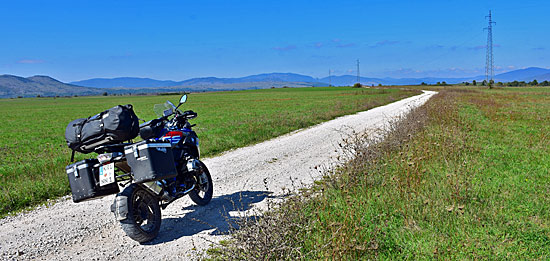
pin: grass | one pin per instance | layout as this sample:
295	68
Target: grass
466	176
34	153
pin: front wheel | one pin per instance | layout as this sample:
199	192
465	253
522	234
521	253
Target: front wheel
202	194
143	221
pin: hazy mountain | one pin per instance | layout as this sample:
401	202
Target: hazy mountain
14	86
213	86
133	82
278	77
267	80
349	80
527	74
124	82
542	77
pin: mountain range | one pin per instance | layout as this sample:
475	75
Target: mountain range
14	86
260	79
276	79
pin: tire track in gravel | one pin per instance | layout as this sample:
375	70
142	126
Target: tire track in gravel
243	181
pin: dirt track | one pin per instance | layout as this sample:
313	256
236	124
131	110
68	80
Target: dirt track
243	180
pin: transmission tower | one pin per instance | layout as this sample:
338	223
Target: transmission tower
489	60
358	78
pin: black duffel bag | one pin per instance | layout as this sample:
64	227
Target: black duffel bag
114	125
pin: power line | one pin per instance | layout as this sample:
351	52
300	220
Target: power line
489	59
358	78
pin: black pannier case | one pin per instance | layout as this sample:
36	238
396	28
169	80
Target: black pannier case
84	181
114	125
150	161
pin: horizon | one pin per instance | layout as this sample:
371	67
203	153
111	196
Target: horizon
178	41
316	78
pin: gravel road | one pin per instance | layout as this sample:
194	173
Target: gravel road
243	181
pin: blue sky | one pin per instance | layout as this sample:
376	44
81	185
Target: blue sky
177	40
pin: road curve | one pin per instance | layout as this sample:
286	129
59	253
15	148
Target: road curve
243	180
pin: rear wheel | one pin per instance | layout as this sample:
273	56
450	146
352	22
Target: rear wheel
202	194
144	218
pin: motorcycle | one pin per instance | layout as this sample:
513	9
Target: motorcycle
146	171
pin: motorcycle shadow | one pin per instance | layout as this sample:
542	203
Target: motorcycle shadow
215	215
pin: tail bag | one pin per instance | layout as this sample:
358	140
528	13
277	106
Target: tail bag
114	125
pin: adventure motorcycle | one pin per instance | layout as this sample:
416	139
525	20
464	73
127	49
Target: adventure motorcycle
165	166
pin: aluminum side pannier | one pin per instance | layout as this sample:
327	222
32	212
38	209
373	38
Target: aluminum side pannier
150	161
84	181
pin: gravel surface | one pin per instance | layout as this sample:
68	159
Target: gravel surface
244	179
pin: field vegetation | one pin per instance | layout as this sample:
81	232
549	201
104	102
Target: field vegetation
466	176
34	153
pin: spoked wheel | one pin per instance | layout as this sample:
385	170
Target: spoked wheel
144	218
202	194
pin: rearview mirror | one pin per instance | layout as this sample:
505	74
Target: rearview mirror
183	98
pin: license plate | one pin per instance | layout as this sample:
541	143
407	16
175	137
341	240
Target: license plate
107	174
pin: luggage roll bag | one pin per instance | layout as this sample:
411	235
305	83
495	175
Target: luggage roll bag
115	125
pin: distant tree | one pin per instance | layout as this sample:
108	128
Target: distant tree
534	82
522	83
19	97
466	83
500	84
438	83
474	83
513	84
484	83
545	83
379	85
443	83
357	85
105	94
423	83
490	84
38	96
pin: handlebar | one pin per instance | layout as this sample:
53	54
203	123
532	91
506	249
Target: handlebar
189	114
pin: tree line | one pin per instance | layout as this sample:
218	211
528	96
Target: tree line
492	83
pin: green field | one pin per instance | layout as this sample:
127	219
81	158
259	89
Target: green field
472	182
34	153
